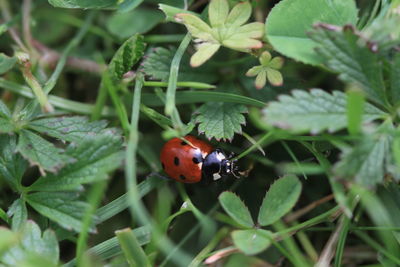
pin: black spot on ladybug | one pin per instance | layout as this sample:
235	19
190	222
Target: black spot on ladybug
163	166
176	161
183	143
195	160
182	177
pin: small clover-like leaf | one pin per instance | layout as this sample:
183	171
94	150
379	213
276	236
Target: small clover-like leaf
252	241
274	77
203	53
235	207
261	79
226	29
218	12
220	120
267	70
280	199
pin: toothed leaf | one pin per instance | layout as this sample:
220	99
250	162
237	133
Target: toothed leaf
313	111
32	243
62	207
95	157
235	207
279	200
41	152
220	120
289	36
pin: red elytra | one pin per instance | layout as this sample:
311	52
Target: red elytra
184	162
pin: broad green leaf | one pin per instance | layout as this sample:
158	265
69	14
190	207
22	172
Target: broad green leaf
62	207
128	5
8	239
95	157
279	200
33	244
6	63
234	206
140	20
158	62
289	22
252	241
355	62
239	14
12	164
19	214
71	129
132	250
41	152
205	51
130	52
313	111
395	80
355	108
84	4
218	12
220	120
366	162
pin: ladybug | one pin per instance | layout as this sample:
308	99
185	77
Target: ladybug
195	160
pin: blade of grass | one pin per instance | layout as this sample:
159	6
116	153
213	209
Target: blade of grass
342	241
194	85
173	74
137	208
259	143
189	97
56	101
294	158
110	248
354	110
131	248
95	195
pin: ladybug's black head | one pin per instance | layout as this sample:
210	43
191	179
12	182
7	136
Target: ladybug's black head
217	164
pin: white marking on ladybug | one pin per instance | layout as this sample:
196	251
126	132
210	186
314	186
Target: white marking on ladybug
216	176
220	156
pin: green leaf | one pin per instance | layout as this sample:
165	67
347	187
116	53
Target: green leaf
395	80
279	200
132	250
62	207
218	12
289	21
313	111
366	162
158	62
6	63
19	214
12	164
130	52
95	157
71	129
355	108
252	241
84	4
8	239
354	62
220	120
128	5
140	20
41	152
274	77
33	244
6	125
234	206
197	27
239	14
4	111
170	12
204	52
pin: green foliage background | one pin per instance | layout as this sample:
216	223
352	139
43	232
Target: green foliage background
91	90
